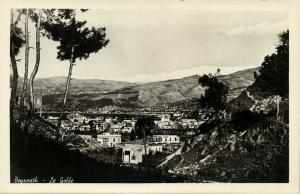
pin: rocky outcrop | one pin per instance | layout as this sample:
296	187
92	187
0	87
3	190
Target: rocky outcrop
253	153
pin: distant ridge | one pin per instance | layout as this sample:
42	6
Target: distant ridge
92	93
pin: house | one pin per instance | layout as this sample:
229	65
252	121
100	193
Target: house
109	140
116	128
153	148
103	126
101	118
128	123
191	123
132	152
108	120
127	129
190	132
84	127
166	139
77	118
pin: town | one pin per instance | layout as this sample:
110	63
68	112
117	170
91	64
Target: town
119	132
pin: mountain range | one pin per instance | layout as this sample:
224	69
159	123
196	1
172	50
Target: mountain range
91	93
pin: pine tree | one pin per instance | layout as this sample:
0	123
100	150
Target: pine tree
75	41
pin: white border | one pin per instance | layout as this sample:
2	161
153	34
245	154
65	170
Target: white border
293	7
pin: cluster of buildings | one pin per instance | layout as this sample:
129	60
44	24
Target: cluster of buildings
111	132
79	123
166	122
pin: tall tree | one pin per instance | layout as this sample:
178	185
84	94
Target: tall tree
24	90
218	72
37	62
143	127
215	94
274	72
75	42
16	42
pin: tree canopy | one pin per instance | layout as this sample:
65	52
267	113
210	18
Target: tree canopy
274	71
61	26
18	39
216	93
144	124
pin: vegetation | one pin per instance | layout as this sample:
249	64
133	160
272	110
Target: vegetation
28	159
215	95
75	41
252	146
274	71
143	126
16	42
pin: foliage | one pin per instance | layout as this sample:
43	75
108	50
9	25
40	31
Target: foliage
144	125
18	39
216	93
61	26
274	71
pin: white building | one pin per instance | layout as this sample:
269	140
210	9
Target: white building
167	139
132	152
127	129
190	123
77	118
153	148
109	140
116	128
108	120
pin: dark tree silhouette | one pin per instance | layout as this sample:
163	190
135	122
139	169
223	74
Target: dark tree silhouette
216	93
274	72
143	127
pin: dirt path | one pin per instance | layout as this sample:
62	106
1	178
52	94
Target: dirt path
178	152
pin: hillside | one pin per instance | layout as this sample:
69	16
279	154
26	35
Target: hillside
132	95
56	85
248	144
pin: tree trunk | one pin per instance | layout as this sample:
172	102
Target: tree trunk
14	66
277	106
145	146
23	94
37	62
66	90
67	85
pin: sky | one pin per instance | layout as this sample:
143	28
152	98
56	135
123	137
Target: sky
152	45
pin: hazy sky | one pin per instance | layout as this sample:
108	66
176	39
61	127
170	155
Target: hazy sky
164	44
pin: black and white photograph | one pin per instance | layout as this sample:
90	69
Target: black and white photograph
153	95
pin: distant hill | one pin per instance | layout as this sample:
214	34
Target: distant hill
56	85
238	81
89	93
